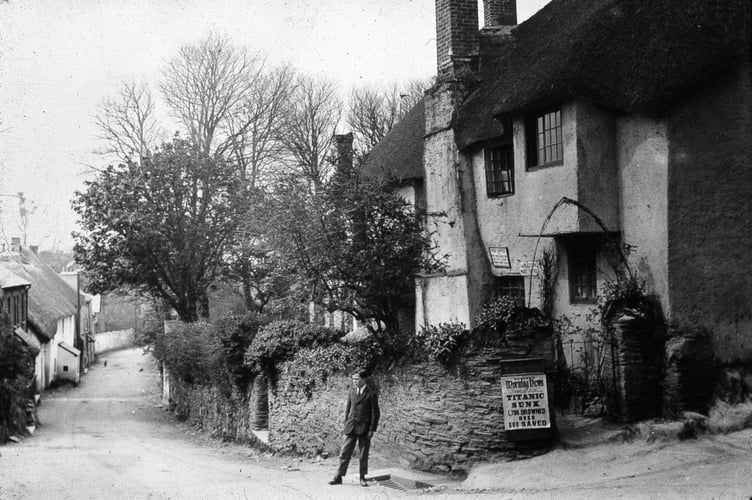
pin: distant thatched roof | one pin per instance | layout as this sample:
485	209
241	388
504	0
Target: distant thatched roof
629	55
399	155
50	298
10	280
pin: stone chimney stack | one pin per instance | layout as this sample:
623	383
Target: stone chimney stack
499	13
457	35
15	244
344	144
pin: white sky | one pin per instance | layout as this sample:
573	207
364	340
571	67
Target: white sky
60	58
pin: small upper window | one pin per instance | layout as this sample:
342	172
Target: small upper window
583	273
544	140
511	286
499	170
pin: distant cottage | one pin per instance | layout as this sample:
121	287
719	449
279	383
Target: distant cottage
51	315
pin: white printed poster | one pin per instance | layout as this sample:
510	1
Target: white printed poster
525	402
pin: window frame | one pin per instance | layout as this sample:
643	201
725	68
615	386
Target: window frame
489	167
533	149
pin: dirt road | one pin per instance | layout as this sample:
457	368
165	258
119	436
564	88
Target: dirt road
110	438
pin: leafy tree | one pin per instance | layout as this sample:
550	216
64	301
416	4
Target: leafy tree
358	245
161	226
263	274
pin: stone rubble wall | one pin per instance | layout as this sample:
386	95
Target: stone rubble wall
226	417
690	372
639	360
433	417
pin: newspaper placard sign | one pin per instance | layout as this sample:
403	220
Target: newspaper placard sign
500	257
525	399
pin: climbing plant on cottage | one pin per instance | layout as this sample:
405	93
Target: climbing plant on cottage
16	375
357	246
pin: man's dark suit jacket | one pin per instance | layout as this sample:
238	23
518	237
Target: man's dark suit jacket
362	411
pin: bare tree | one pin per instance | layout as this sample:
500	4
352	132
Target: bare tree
204	86
25	211
412	92
127	123
310	123
373	111
253	130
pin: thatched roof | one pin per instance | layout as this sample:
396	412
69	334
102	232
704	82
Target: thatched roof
628	55
10	280
50	298
399	155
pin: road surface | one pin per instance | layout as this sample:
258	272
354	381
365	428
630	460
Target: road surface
110	438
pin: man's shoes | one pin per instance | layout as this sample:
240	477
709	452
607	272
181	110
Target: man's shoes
336	480
363	482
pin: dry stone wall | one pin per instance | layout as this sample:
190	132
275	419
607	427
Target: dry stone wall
639	360
433	417
227	417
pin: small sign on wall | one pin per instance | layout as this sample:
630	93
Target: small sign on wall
525	401
526	266
500	257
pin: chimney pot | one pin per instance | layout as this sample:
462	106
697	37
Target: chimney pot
15	244
344	144
497	13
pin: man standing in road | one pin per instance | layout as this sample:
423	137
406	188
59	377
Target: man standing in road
361	419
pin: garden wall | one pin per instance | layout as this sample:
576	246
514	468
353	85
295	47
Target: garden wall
433	417
229	417
108	341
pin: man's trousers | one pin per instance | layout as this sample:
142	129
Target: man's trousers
364	445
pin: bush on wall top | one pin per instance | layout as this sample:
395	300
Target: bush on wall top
280	340
207	353
191	351
316	362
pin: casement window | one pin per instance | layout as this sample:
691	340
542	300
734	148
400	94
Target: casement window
499	170
544	138
511	286
582	273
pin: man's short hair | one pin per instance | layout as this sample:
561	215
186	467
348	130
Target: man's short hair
361	372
